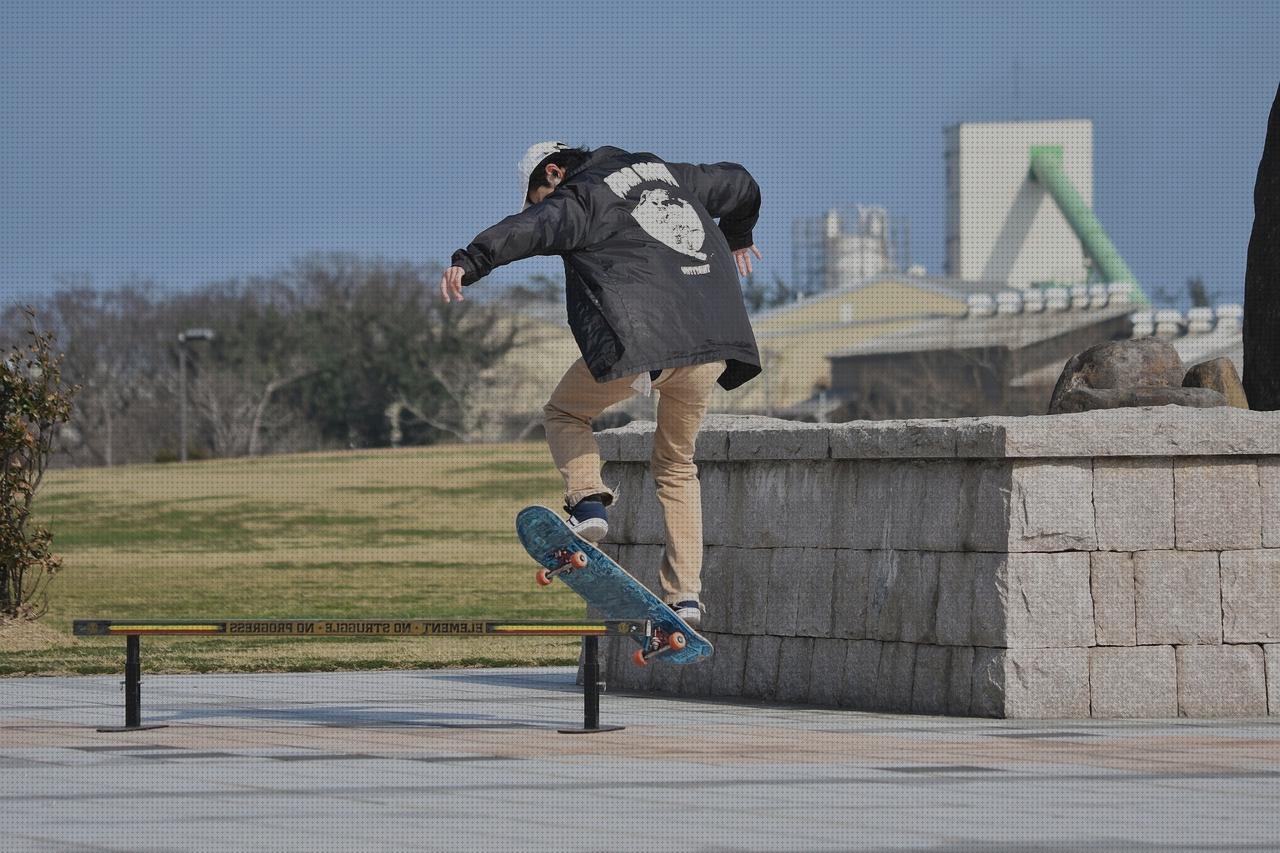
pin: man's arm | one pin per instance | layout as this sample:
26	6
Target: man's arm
729	193
554	226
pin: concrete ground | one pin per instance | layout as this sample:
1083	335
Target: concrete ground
470	760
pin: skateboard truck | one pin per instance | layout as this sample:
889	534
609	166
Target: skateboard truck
569	561
658	642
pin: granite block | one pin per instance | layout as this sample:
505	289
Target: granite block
1251	596
1221	681
1139	681
1114	611
1133	503
1177	598
1217	504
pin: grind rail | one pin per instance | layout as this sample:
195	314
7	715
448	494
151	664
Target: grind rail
134	630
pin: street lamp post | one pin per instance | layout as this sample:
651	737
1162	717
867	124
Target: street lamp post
183	337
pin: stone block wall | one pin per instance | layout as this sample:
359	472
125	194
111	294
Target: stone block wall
1119	563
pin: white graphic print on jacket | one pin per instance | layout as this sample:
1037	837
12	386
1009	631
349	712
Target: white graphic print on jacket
671	221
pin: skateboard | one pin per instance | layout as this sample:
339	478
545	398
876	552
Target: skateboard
607	587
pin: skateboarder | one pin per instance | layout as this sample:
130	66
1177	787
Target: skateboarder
653	302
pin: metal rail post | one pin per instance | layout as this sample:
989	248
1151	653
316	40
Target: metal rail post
132	689
591	687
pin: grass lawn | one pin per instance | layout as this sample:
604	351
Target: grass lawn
409	533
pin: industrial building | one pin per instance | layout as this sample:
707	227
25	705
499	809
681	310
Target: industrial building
1003	224
1031	279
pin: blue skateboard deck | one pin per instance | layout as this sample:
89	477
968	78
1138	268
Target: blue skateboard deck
604	584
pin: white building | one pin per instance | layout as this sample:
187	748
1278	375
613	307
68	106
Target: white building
1002	225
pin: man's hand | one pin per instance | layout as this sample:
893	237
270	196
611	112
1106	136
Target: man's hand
743	259
451	284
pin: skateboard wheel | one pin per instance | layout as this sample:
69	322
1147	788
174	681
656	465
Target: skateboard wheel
677	641
638	658
578	559
541	578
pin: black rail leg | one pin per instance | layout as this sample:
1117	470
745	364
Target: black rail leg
591	687
133	681
132	689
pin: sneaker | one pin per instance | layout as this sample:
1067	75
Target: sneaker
690	611
588	519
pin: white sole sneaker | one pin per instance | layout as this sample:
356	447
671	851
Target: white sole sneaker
691	616
592	529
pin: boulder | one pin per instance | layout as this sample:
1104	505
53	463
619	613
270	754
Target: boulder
1219	375
1088	399
1146	364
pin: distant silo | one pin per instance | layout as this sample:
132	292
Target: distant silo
847	247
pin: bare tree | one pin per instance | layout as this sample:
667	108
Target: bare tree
258	349
336	350
467	344
394	364
110	349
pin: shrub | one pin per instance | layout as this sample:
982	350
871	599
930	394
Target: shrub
33	403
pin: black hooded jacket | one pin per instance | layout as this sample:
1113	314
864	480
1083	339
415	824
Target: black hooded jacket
651	278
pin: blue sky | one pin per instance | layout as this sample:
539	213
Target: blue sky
188	142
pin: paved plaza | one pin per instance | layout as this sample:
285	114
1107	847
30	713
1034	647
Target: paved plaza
470	760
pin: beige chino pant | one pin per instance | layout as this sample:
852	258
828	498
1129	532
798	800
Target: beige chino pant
683	393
